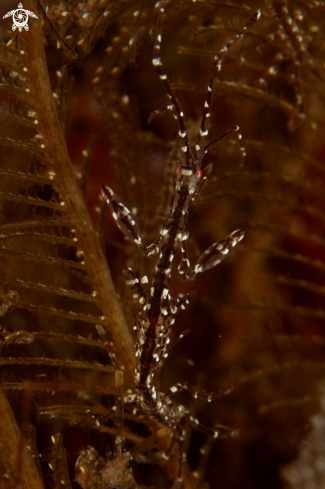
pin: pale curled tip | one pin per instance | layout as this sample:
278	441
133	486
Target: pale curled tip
258	14
239	234
106	192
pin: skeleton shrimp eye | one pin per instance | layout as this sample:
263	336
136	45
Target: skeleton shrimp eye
198	174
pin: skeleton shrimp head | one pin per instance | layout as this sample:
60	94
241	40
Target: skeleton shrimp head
189	181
